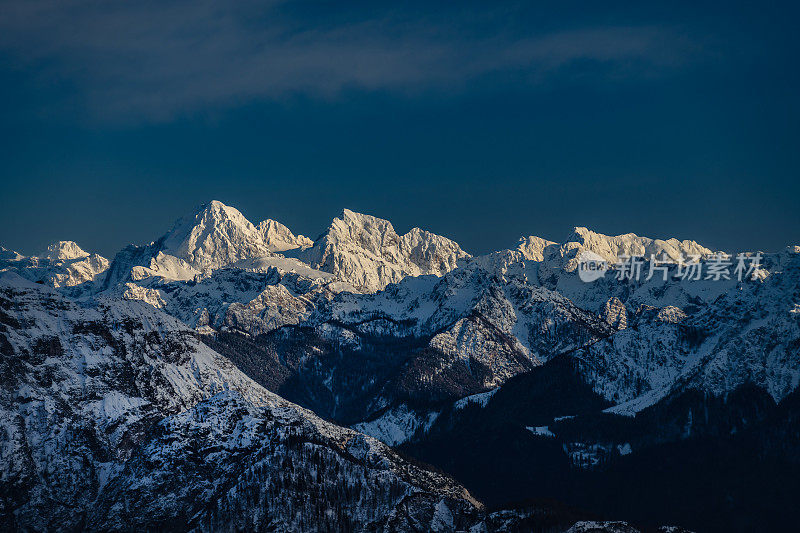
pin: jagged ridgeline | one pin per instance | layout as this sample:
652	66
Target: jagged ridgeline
231	375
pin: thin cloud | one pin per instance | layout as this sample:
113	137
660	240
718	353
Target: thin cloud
157	60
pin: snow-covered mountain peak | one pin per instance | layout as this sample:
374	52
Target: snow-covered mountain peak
611	248
532	247
279	238
217	235
64	251
63	264
367	252
368	231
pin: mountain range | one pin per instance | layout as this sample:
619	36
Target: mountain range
231	375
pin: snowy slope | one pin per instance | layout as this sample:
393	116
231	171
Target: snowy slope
748	335
254	296
425	339
673	334
116	416
536	321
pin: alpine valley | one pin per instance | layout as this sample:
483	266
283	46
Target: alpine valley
236	376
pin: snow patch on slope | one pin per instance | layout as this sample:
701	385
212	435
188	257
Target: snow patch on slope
481	399
397	425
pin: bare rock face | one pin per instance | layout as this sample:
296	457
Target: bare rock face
367	252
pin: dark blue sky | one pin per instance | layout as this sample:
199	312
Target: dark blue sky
479	123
